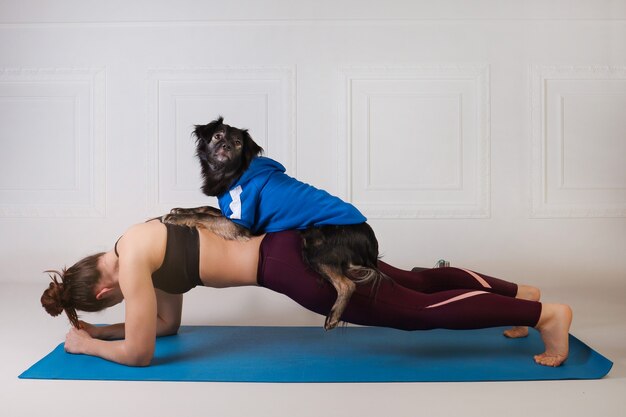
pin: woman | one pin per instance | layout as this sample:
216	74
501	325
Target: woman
153	264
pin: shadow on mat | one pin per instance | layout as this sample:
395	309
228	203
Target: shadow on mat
179	348
189	349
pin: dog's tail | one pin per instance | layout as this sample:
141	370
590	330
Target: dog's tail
365	274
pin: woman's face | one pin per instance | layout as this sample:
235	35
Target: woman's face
108	287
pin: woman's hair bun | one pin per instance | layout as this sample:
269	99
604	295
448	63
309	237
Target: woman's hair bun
54	298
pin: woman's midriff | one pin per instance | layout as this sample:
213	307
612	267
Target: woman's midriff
228	263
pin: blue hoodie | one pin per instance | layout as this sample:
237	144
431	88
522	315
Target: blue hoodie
265	199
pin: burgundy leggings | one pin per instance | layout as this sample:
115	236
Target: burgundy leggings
449	298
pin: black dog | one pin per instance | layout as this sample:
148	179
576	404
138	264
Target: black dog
344	254
224	153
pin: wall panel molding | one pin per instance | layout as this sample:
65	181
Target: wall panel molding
429	136
277	12
54	159
259	98
578	141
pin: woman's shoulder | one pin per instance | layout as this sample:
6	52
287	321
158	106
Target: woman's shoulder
150	228
144	239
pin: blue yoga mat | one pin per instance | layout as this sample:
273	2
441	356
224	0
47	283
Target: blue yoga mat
352	354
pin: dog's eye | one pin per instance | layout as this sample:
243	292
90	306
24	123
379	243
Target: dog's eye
238	142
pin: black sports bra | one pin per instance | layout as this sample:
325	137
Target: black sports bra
180	270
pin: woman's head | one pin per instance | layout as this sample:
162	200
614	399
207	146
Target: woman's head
74	289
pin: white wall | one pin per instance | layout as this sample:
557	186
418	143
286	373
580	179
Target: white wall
490	133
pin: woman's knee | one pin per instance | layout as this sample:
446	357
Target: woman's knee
527	292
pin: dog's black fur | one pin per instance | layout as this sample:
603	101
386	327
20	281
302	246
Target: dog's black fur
344	254
225	153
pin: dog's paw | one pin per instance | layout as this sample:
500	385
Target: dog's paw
180	220
330	323
168	218
178	210
212	211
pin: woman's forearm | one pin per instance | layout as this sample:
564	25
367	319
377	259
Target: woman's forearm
132	353
118	351
118	330
109	332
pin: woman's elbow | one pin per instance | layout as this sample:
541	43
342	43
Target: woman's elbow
173	330
174	326
139	357
170	328
140	360
143	362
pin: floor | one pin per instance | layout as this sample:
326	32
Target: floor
29	334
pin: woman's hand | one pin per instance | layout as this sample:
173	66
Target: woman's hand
92	330
76	340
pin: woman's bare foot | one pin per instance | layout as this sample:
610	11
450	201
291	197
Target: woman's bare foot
554	325
524	292
516	332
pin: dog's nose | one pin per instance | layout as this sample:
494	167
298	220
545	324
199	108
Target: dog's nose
226	146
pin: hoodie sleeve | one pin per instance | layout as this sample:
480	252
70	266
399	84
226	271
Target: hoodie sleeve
239	204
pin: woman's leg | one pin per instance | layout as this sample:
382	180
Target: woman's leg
448	278
440	279
553	326
524	292
389	304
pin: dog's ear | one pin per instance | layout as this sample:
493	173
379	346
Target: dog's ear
250	148
206	131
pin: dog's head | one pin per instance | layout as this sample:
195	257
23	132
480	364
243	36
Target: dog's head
225	152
